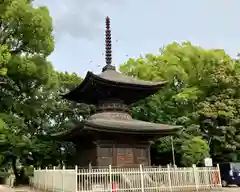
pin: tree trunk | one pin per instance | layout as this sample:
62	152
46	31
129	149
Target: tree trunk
20	177
15	171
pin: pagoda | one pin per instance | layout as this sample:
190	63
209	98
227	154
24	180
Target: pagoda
111	136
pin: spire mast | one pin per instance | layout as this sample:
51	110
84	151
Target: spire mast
108	47
108	41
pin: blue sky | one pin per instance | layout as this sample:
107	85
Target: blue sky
138	27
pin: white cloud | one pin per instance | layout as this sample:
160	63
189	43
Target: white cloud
79	18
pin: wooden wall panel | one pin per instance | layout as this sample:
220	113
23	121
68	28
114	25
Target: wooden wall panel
115	149
85	155
105	156
142	156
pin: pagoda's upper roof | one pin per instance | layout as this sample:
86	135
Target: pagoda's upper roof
112	76
126	88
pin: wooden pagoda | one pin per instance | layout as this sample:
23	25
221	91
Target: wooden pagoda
111	135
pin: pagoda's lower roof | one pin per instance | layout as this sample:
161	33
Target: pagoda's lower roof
124	126
129	126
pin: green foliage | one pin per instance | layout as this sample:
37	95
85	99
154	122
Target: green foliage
25	29
202	95
31	105
194	151
5	56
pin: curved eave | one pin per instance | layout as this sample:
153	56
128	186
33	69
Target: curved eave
62	133
91	77
90	126
148	85
67	135
82	86
170	130
73	129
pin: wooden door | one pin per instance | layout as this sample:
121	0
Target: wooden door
124	157
142	156
105	156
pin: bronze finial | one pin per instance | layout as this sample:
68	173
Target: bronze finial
108	46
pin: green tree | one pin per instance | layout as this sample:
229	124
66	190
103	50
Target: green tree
202	95
194	151
31	105
25	29
26	40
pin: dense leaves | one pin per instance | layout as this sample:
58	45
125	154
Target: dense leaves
25	29
202	95
194	151
30	103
